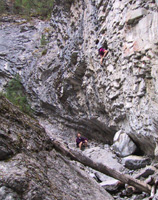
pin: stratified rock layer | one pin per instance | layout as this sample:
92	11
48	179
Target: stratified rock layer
65	80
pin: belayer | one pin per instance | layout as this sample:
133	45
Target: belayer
81	141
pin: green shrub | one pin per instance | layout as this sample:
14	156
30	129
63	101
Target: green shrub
16	94
1	94
2	7
44	52
35	8
43	40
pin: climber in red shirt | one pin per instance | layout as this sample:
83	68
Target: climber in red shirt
102	52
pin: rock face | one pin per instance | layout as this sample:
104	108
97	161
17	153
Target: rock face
123	145
59	65
31	169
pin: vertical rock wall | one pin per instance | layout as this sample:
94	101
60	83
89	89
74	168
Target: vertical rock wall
69	85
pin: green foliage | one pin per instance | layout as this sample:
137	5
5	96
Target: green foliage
44	52
37	8
16	94
43	40
40	8
2	7
2	94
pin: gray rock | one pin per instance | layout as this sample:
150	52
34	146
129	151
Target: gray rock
135	15
72	145
102	177
142	88
110	185
135	162
69	86
32	172
140	196
123	145
149	170
71	91
104	156
8	194
114	95
5	152
156	150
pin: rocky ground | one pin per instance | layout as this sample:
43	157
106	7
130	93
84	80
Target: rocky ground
125	158
31	169
60	68
139	167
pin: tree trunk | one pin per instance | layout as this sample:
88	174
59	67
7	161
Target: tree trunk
78	156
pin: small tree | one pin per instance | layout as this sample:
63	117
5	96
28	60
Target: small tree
16	94
3	6
37	8
40	8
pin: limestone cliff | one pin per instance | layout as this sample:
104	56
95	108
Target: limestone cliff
60	68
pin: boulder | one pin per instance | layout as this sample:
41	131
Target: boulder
149	170
123	145
104	156
102	177
135	162
8	193
110	185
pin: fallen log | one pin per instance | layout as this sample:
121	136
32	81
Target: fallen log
78	156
